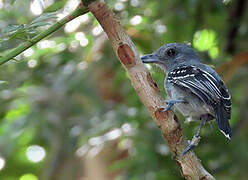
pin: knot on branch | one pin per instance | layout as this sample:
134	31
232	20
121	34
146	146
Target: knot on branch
126	55
161	116
204	177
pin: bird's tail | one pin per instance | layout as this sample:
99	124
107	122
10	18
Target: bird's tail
223	116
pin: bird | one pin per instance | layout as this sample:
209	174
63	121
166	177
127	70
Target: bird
193	88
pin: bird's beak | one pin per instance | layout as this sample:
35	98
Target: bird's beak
150	58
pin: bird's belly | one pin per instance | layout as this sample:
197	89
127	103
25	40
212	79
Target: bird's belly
193	107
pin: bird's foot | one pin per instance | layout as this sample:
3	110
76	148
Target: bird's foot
192	144
171	103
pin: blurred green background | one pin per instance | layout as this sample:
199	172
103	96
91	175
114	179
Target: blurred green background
69	112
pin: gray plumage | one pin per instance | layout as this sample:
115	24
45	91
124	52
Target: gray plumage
201	89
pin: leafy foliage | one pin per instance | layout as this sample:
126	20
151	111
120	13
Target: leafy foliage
27	31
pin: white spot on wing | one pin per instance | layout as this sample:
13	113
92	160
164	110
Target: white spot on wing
227	135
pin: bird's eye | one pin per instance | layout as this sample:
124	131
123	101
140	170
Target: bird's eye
171	52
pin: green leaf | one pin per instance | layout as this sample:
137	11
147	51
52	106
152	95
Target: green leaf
39	24
45	17
28	177
204	40
13	114
10	29
24	31
213	52
55	6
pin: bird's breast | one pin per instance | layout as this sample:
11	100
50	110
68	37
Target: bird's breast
193	107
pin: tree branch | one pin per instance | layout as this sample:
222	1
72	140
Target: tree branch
16	51
148	92
228	69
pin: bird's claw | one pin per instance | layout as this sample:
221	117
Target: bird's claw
193	143
171	103
166	109
188	148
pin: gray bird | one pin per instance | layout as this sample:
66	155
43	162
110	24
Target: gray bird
195	89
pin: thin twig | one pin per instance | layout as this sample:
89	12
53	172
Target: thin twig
228	69
18	50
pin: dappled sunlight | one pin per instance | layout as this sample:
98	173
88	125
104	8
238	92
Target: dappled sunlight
1	4
82	65
163	149
82	150
84	18
72	25
2	163
71	5
160	28
114	134
76	131
75	23
95	141
97	30
94	151
206	40
36	7
61	16
73	46
84	42
135	20
127	129
32	63
61	46
35	153
135	3
148	66
29	52
28	177
132	111
96	144
46	44
119	6
79	36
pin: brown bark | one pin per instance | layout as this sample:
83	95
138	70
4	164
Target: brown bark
148	92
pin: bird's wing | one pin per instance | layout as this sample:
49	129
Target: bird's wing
209	88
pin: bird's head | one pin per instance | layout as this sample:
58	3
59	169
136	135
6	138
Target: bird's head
171	55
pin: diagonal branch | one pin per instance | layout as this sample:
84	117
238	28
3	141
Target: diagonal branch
228	69
148	91
18	50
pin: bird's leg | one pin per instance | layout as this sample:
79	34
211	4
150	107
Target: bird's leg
171	103
196	139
